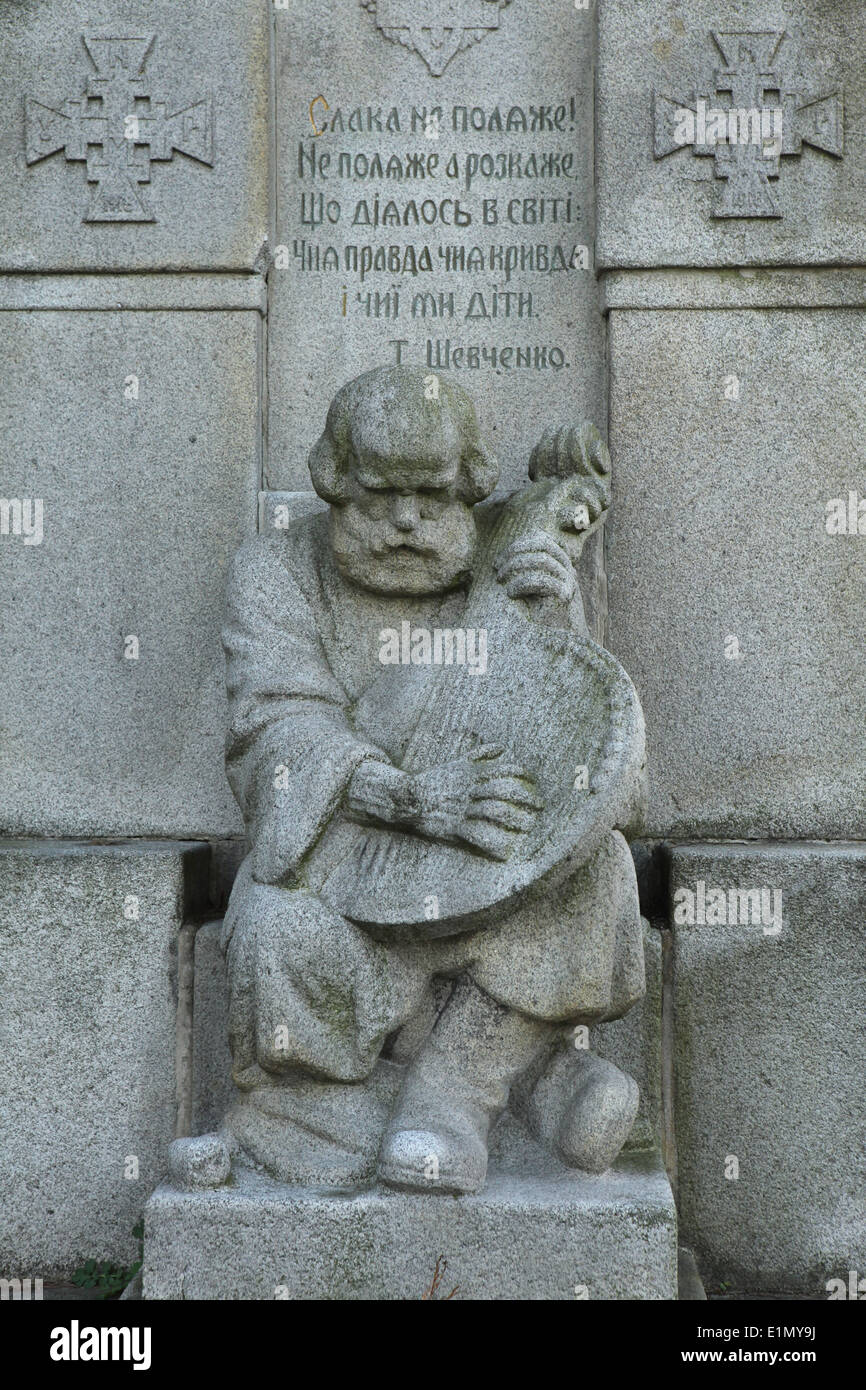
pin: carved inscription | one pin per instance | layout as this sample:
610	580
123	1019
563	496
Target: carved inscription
455	221
442	222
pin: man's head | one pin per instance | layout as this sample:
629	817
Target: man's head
402	464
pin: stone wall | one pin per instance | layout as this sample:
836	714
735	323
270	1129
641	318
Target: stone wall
205	230
133	308
734	290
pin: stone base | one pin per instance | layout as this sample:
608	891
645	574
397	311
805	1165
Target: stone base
541	1233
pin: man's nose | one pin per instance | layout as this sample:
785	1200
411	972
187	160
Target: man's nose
404	512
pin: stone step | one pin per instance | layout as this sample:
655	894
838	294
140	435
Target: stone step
538	1231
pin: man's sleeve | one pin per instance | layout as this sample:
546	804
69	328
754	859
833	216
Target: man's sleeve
290	749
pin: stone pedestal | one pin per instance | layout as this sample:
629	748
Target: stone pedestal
537	1231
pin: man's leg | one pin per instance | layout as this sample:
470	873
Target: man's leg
456	1087
574	956
312	1000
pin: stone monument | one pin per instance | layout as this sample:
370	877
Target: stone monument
214	217
437	768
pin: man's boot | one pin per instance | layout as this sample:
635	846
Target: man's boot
458	1084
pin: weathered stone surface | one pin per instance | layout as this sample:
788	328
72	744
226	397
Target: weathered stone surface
769	1063
142	444
632	1043
815	287
200	1163
539	1231
691	1289
602	1099
212	1086
87	1042
172	124
662	203
134	292
332	320
451	820
277	510
731	433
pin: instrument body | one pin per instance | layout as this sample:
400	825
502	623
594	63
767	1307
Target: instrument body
562	707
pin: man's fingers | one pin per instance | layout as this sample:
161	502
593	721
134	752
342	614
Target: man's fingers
531	552
501	813
535	560
508	788
487	750
536	585
490	839
536	567
508	770
537	540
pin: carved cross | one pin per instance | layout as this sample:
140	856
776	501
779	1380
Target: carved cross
117	129
758	99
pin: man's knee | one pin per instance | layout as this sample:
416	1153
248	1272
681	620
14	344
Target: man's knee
309	990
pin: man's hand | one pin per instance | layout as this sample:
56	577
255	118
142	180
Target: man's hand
536	567
484	799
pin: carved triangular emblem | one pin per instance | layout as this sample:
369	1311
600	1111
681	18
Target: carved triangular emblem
436	29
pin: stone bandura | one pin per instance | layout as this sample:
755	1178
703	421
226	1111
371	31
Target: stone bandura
438	888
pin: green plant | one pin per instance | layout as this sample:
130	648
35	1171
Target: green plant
108	1279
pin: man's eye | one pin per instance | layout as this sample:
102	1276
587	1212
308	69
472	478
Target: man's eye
375	503
432	504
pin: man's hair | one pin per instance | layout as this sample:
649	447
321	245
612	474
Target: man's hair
387	412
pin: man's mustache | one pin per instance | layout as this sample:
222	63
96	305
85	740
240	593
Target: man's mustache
402	543
370	535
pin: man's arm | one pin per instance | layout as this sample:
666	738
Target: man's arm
290	749
483	799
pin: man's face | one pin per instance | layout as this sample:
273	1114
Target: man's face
402	529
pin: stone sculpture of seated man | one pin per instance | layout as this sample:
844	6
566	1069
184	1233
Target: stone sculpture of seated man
363	1050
